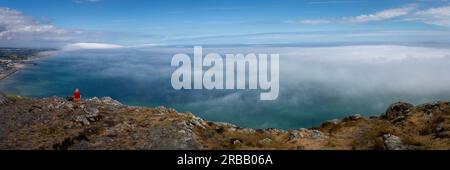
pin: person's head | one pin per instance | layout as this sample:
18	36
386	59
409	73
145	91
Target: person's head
77	90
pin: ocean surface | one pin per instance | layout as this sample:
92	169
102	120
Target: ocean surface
316	83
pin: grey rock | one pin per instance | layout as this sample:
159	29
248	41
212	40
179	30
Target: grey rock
225	124
68	105
273	130
3	99
265	141
232	129
198	122
92	114
81	119
109	100
316	134
237	142
248	131
397	110
50	107
91	111
95	100
355	117
160	108
307	133
59	105
392	142
334	121
295	135
111	132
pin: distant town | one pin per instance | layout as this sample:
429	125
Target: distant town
13	59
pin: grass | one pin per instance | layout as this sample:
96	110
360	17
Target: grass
15	97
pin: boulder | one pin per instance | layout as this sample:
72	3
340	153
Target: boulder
265	141
237	142
334	121
224	124
109	100
92	114
392	142
355	117
95	100
81	119
397	110
91	111
317	134
3	99
295	135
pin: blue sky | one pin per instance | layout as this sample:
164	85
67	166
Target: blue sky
137	22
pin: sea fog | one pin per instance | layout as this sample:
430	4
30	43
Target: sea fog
316	83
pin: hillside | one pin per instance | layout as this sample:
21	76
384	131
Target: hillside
55	123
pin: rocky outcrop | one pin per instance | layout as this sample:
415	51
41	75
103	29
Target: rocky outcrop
392	142
104	123
398	111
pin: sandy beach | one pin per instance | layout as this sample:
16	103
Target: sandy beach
10	71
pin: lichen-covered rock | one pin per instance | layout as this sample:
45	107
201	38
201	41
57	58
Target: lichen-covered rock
398	111
392	142
265	141
81	119
109	100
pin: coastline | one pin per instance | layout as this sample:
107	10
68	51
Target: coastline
15	68
11	66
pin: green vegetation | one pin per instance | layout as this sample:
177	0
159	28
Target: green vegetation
17	54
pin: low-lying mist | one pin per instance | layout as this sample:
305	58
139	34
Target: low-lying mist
316	83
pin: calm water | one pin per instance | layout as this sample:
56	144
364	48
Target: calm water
316	84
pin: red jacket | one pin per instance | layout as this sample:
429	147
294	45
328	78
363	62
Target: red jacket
76	95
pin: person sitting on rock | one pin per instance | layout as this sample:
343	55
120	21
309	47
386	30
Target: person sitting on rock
76	95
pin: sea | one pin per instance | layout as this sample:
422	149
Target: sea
316	83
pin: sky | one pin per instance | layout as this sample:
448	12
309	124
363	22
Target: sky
118	23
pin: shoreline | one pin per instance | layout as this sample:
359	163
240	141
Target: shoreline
13	60
17	66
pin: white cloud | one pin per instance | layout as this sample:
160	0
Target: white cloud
382	15
310	21
14	25
90	46
17	29
378	16
435	16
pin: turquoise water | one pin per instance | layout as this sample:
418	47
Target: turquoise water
312	90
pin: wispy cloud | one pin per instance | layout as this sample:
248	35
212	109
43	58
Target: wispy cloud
436	16
378	16
310	21
439	16
382	15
